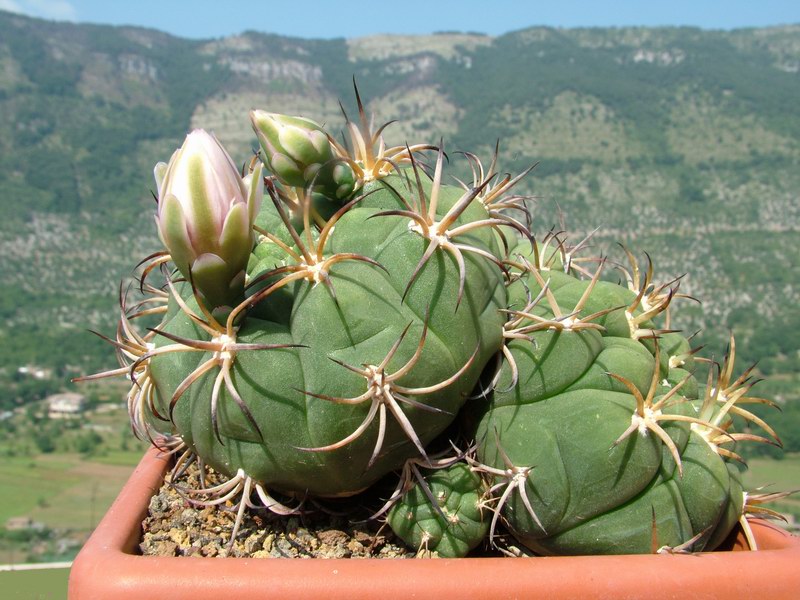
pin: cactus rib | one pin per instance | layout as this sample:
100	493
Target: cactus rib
512	478
422	217
411	473
311	262
649	413
223	347
383	392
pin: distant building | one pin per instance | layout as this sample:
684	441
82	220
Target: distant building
35	372
22	524
66	405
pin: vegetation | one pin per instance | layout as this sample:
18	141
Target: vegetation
690	132
769	475
62	473
35	585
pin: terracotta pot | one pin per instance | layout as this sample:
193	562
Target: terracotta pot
108	567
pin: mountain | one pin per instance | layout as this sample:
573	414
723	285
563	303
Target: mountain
677	141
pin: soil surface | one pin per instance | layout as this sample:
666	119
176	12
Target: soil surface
176	527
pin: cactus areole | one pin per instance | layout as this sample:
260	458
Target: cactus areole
334	315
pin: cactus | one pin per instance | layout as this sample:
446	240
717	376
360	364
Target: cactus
351	315
443	513
609	426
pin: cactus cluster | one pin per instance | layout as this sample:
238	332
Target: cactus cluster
334	315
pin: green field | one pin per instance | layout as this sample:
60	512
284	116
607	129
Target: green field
777	475
61	489
65	492
49	584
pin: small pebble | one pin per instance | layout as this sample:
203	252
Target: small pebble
174	527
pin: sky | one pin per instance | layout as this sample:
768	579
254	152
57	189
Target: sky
333	19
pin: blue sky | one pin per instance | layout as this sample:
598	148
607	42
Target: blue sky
331	18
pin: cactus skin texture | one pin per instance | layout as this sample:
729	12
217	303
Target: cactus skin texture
452	526
384	316
606	479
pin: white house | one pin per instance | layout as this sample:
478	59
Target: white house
66	405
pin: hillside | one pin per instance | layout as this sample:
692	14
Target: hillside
678	141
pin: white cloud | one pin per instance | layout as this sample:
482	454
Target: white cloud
60	10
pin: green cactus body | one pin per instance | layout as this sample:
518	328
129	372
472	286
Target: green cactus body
453	527
592	491
359	327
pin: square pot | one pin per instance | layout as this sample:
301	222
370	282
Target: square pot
108	567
